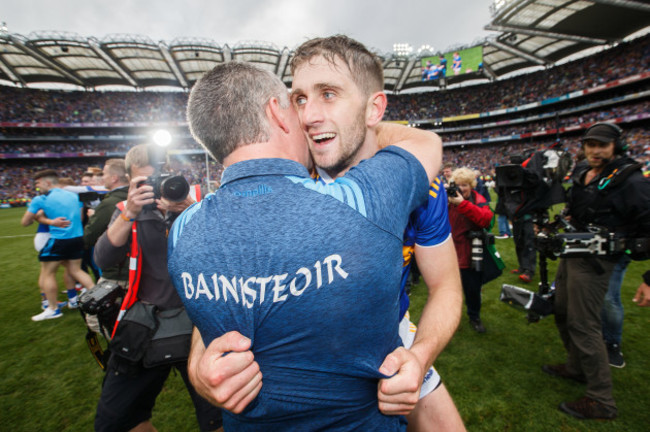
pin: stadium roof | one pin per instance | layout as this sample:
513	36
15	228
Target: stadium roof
528	33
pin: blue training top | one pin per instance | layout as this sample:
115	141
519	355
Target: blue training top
57	203
428	226
310	273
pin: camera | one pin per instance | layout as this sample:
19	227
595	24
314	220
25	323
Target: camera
104	296
90	196
537	305
171	187
477	238
104	301
452	189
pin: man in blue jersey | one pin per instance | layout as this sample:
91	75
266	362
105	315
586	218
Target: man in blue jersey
339	139
235	261
65	246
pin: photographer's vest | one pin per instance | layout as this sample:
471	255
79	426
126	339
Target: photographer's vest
135	263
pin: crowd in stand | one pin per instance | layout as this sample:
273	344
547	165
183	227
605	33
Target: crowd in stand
463	135
30	105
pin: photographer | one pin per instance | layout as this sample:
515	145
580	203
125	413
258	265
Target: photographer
609	192
130	389
469	214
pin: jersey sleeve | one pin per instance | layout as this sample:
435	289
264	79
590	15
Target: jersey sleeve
393	183
432	219
36	204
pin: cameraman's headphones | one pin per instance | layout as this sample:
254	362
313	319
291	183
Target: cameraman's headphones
620	146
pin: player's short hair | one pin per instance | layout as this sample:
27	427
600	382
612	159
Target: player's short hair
66	181
227	107
464	175
365	67
449	165
48	174
117	167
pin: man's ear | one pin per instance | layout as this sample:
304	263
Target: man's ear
375	108
276	115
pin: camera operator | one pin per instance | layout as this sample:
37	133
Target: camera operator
130	389
523	232
608	191
468	215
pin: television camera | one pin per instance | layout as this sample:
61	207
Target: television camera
532	190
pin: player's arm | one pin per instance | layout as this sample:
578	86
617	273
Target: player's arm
28	218
440	317
60	221
225	373
424	145
441	313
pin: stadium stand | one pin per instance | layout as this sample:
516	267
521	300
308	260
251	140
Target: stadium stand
481	124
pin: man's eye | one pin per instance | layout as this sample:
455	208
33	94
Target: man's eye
300	100
328	95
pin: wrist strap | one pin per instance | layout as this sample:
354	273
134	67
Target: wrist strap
126	218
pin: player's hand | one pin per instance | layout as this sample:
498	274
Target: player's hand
138	197
642	296
60	222
229	381
398	394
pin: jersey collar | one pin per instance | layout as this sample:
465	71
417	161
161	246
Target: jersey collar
263	167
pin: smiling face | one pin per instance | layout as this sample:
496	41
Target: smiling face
332	111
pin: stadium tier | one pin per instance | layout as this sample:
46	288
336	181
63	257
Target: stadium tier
481	125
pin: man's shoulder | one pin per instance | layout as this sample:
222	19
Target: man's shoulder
63	195
112	198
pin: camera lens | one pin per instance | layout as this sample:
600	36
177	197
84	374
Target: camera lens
175	188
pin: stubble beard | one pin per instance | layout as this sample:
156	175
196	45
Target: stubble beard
351	142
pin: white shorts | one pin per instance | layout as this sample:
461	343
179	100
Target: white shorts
40	240
407	333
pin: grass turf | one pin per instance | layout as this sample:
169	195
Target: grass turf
49	381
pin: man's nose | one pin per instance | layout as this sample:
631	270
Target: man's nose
311	113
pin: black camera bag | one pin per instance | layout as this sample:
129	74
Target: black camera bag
134	332
172	340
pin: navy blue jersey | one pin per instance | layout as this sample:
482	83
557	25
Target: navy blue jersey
310	273
428	226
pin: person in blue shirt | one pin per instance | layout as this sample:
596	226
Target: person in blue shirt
443	66
234	258
65	246
339	140
457	63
